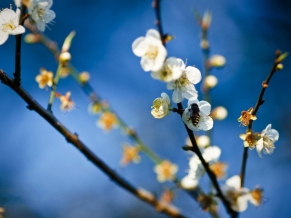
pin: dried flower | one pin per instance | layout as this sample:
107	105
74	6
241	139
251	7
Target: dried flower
246	116
205	201
250	139
161	106
107	121
130	154
45	78
165	171
256	196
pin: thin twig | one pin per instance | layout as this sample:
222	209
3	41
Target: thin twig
260	101
17	71
194	147
74	140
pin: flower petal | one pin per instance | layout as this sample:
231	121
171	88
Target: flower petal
233	182
139	47
146	63
154	34
177	96
3	37
193	74
205	107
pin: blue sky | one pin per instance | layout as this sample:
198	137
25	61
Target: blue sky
43	176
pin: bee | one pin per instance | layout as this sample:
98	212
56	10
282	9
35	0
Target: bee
194	114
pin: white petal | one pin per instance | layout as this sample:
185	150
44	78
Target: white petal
212	154
233	182
273	135
146	63
192	101
190	93
177	96
3	37
259	146
205	107
154	34
170	85
166	97
205	123
18	30
40	25
49	16
242	203
139	47
193	74
189	183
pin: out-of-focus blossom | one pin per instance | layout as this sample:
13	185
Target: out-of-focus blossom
161	106
95	107
45	78
237	196
210	81
184	86
165	171
219	113
256	196
40	13
219	169
170	71
130	154
205	121
66	102
84	77
9	24
107	121
151	50
217	61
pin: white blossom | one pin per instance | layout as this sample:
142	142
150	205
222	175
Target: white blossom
170	71
210	154
151	50
161	106
236	195
205	121
40	13
184	86
189	182
17	3
9	24
266	143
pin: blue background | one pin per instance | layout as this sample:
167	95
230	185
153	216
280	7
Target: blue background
41	175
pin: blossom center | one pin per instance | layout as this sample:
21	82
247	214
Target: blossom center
152	52
9	26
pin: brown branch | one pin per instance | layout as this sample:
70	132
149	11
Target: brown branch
260	101
17	71
194	148
75	141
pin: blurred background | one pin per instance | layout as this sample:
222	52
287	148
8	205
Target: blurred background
42	176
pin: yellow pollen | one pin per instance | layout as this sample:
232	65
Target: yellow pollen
152	52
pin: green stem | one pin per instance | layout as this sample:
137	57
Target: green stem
54	87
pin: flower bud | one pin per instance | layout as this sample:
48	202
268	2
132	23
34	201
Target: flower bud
206	20
219	113
280	66
65	57
203	141
204	44
210	81
217	61
84	77
31	38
